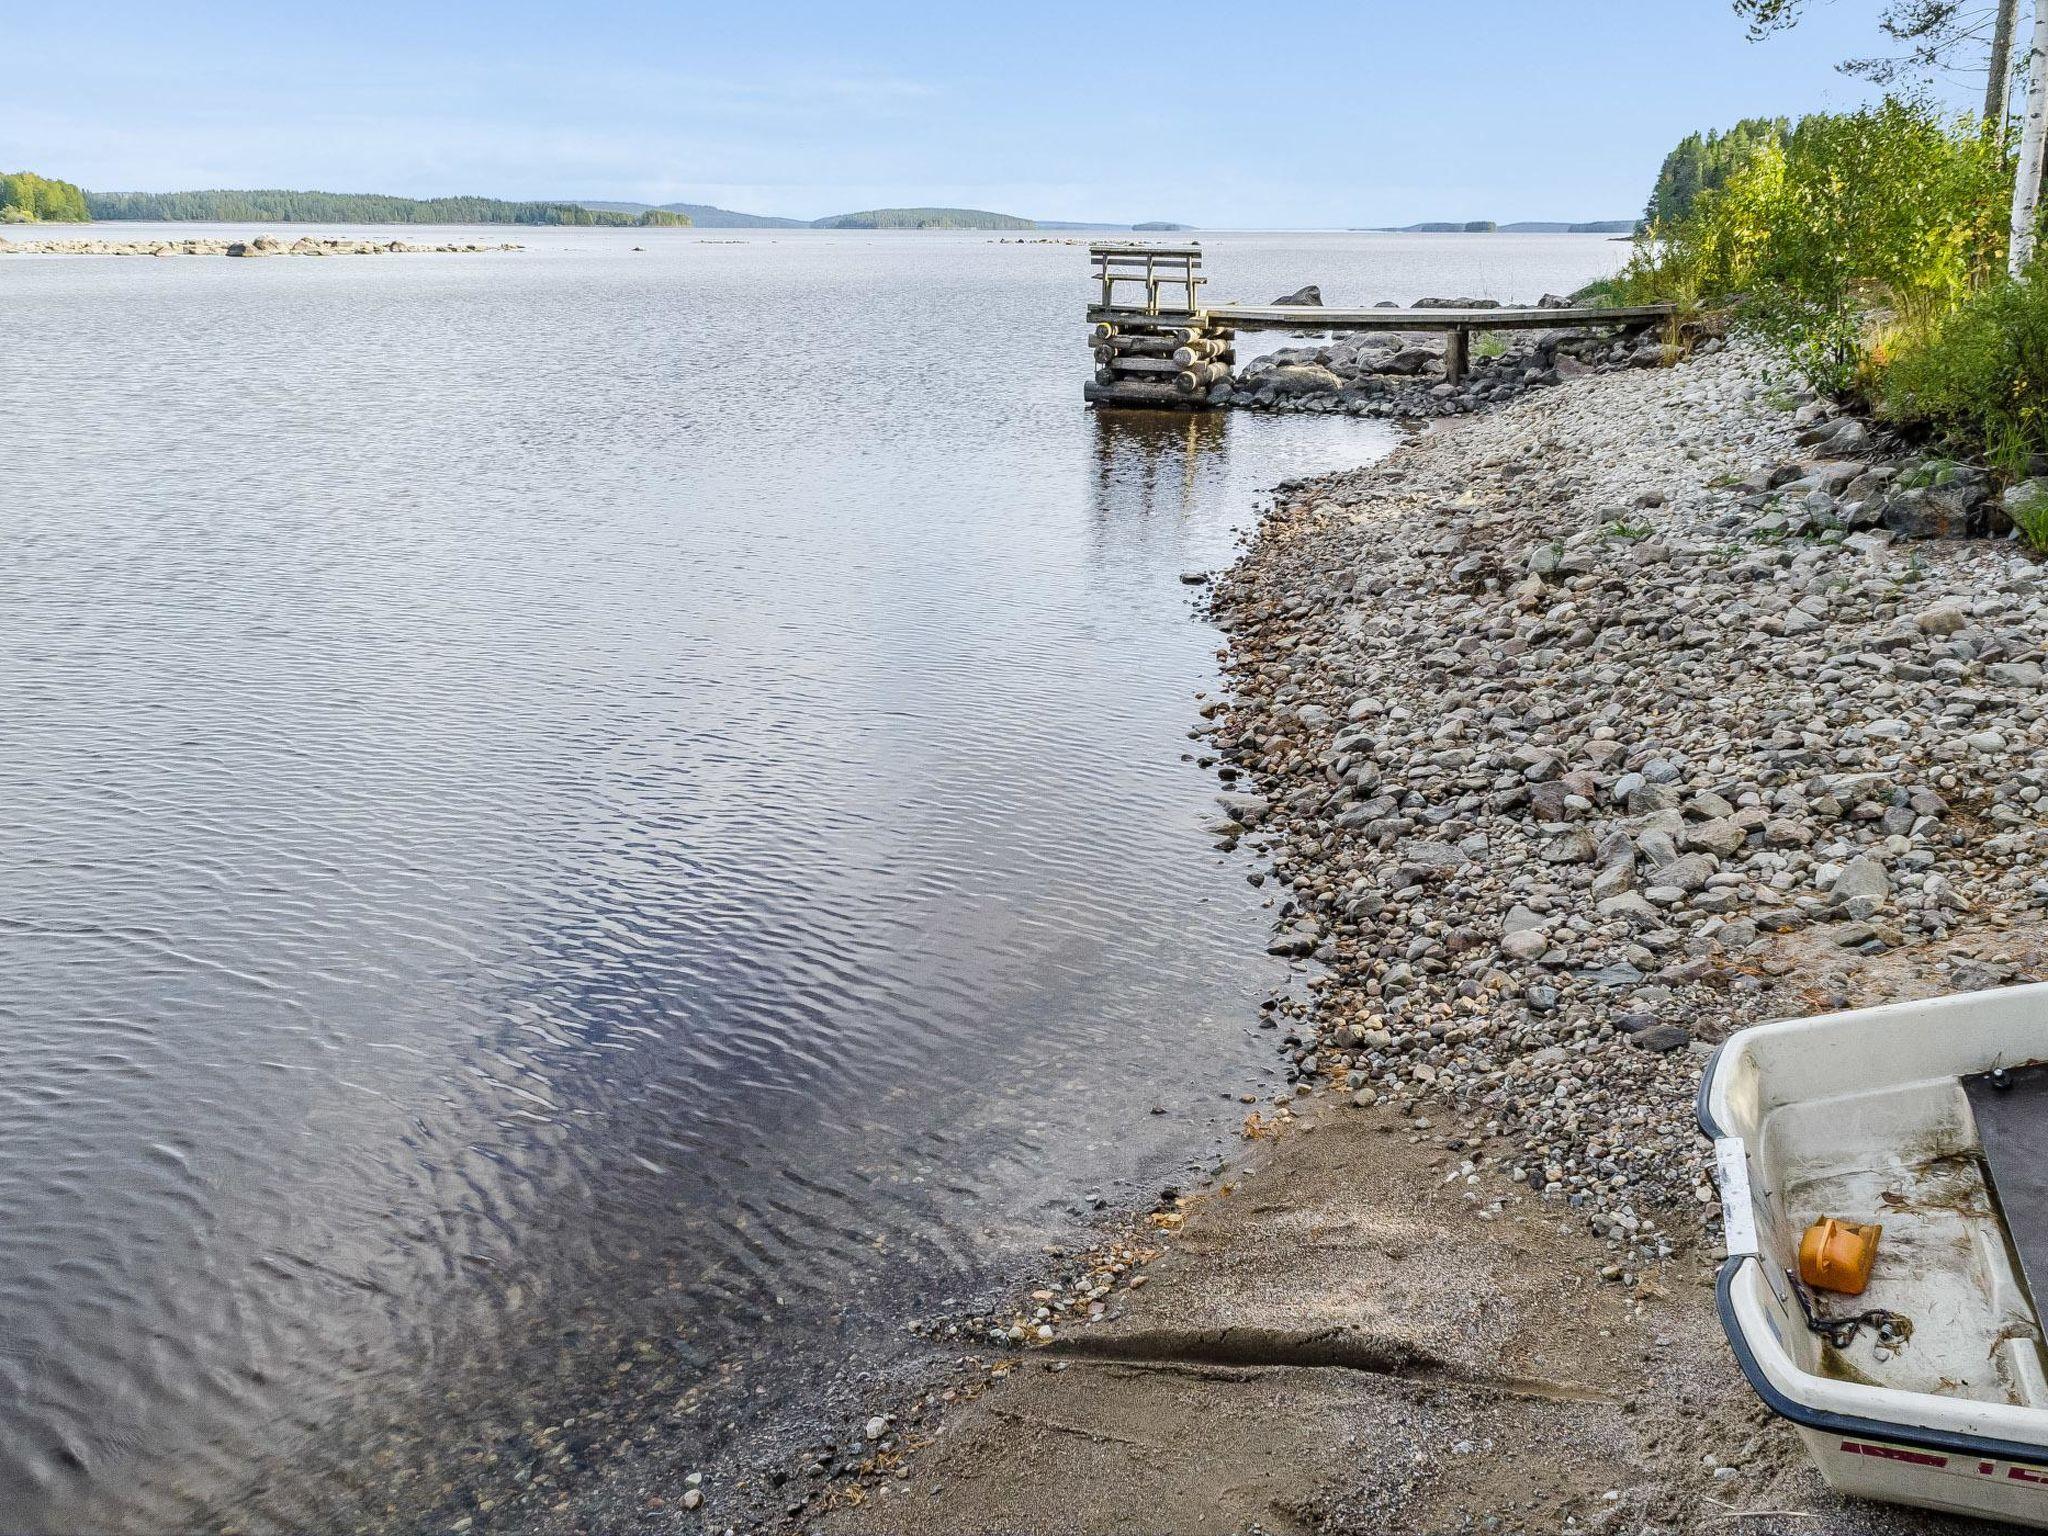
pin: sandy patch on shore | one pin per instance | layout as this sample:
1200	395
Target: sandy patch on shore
1337	1345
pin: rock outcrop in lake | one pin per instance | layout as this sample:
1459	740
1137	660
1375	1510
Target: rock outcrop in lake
1400	375
261	245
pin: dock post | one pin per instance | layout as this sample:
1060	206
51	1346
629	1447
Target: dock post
1148	352
1457	354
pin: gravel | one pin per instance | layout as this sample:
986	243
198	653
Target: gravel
1569	727
1401	376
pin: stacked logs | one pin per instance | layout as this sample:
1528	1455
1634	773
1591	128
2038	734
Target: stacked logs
1173	360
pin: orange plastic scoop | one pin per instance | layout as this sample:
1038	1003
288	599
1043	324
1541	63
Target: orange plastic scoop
1836	1255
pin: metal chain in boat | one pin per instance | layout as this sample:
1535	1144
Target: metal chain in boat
1893	1328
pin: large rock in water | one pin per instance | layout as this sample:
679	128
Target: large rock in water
1302	379
1309	295
1456	304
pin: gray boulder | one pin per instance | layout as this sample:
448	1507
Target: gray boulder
1302	379
2026	503
1860	889
1406	361
1308	295
1939	501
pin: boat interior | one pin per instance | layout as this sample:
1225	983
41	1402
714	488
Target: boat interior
1952	1169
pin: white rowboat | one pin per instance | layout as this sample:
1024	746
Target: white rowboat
1931	1119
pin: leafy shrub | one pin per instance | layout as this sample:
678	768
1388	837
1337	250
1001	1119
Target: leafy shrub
1892	205
1979	374
1891	211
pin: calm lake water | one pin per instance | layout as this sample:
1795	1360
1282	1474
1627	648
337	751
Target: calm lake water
590	827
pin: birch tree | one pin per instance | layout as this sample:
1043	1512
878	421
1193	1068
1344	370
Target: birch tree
2026	188
1998	80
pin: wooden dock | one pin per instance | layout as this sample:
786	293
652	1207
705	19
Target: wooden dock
1152	353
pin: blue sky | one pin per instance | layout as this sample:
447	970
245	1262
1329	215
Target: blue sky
1275	116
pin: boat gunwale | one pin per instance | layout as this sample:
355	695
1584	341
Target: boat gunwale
1703	1105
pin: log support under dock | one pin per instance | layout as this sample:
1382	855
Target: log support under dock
1155	347
1457	354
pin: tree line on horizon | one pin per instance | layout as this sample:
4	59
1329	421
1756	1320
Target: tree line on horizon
26	198
279	206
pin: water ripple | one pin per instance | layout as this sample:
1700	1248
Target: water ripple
576	822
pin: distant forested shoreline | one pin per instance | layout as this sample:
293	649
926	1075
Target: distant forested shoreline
277	206
26	198
924	218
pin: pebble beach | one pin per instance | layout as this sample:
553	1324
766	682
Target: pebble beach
1570	740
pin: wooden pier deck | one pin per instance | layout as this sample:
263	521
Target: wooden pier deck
1154	354
1433	318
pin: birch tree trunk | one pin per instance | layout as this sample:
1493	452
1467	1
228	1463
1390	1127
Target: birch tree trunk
2026	192
1998	87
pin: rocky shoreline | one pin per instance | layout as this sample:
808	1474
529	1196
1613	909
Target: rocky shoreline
1569	748
1398	376
1577	735
261	245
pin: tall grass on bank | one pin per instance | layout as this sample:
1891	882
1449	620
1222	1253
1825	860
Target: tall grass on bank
1978	375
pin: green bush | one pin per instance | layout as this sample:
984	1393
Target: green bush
1979	374
1892	214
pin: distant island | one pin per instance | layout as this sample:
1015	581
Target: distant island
275	206
700	215
1525	227
705	216
28	198
925	218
